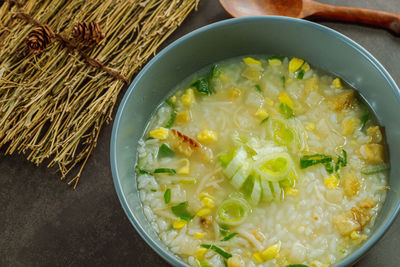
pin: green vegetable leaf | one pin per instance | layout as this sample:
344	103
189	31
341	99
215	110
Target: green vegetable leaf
286	110
215	71
296	265
142	171
310	160
258	88
153	190
164	151
277	57
181	211
364	120
264	120
375	169
203	86
228	237
218	250
283	79
167	196
165	170
300	74
172	118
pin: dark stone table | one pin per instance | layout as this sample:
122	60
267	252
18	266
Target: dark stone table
43	222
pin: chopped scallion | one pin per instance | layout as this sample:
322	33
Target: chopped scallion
310	160
283	79
164	151
228	237
264	120
172	118
181	211
167	196
165	170
286	110
300	74
277	57
218	250
258	88
364	120
142	171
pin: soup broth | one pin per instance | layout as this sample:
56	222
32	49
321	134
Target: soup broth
262	161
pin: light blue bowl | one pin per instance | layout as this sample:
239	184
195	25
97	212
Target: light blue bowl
319	45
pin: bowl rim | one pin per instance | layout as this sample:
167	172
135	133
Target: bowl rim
168	255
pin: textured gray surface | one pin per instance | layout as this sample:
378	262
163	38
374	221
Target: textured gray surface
44	223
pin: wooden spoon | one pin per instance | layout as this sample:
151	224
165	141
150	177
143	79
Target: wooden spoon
310	8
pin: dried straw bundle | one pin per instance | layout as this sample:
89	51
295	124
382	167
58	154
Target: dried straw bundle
54	103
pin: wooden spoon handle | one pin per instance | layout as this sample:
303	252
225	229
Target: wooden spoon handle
382	19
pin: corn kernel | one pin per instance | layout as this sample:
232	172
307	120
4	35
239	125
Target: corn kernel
208	202
199	235
271	252
207	136
258	257
269	101
235	92
223	78
295	64
188	97
331	182
305	67
251	61
261	113
179	224
183	116
354	235
203	212
160	133
204	194
291	191
274	62
285	99
200	252
173	99
310	126
337	83
350	125
185	169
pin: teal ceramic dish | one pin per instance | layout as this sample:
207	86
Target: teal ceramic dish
319	45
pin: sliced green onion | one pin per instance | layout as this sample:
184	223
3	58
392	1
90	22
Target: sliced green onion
172	118
224	159
364	120
375	169
165	170
258	88
282	134
277	57
300	74
264	120
283	79
188	181
164	151
310	160
181	211
142	171
228	237
153	190
296	265
341	161
286	110
167	196
233	211
218	250
223	229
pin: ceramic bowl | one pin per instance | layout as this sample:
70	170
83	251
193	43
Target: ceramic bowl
318	45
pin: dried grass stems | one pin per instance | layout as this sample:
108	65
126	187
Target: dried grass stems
53	104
